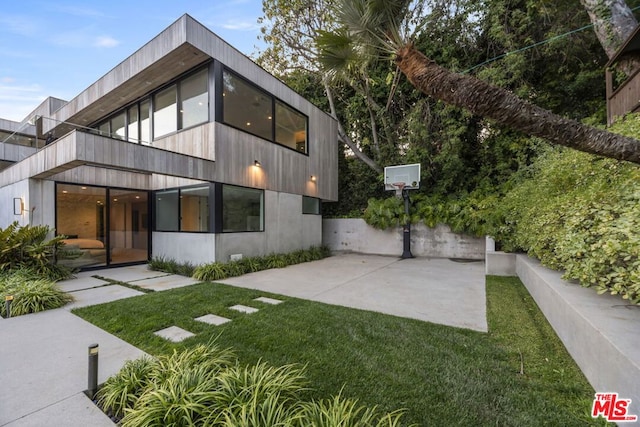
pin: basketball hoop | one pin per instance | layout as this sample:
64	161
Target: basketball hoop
398	186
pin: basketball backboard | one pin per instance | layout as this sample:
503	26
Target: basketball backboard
407	174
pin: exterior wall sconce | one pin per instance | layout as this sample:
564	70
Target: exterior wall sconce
18	206
256	163
313	178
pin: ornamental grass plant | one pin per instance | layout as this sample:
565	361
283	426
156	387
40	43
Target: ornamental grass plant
31	292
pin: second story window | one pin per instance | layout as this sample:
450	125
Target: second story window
194	100
181	105
250	109
165	112
246	107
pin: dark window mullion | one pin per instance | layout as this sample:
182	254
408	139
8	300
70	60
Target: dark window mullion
273	119
179	105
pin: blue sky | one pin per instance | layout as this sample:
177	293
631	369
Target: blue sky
59	48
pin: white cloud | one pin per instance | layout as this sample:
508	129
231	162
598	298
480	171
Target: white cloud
69	38
106	41
76	10
238	25
16	102
21	25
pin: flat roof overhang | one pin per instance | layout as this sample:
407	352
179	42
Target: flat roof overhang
84	149
161	60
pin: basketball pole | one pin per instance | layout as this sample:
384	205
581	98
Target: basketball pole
406	229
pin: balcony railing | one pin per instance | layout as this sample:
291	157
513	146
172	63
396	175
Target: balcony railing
26	137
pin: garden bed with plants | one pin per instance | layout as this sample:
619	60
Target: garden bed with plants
28	274
223	270
517	374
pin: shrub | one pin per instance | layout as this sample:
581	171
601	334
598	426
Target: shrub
29	247
251	264
184	398
341	412
121	391
172	266
162	380
235	268
276	261
31	293
206	386
581	214
212	271
218	270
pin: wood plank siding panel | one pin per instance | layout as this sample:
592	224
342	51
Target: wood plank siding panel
91	175
198	142
625	99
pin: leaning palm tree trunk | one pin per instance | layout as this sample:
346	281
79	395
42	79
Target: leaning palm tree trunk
486	100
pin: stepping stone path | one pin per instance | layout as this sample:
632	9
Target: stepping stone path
212	319
243	309
176	334
271	301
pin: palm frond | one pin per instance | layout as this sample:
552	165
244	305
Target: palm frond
336	51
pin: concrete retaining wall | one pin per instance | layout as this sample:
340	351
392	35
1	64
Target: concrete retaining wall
599	331
440	242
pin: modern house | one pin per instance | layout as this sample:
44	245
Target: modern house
185	150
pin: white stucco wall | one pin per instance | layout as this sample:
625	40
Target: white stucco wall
7	194
357	236
286	229
195	248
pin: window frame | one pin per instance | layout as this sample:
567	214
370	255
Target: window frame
212	202
219	71
220	210
319	210
149	99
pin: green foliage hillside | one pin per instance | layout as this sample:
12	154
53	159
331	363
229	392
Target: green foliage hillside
581	214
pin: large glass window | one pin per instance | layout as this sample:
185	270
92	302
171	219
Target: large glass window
167	210
310	205
145	123
128	228
183	209
165	113
103	226
194	98
103	129
246	107
118	126
291	128
181	105
242	209
194	209
81	215
132	128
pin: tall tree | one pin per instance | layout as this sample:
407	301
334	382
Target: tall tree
613	22
383	25
290	28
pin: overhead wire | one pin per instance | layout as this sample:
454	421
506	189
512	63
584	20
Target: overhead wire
522	49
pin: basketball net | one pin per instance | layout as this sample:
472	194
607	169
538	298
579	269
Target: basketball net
398	186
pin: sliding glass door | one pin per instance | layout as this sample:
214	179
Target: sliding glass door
128	228
103	226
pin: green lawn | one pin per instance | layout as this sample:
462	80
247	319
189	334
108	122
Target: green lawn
518	374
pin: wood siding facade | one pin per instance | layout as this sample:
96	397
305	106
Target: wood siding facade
210	152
